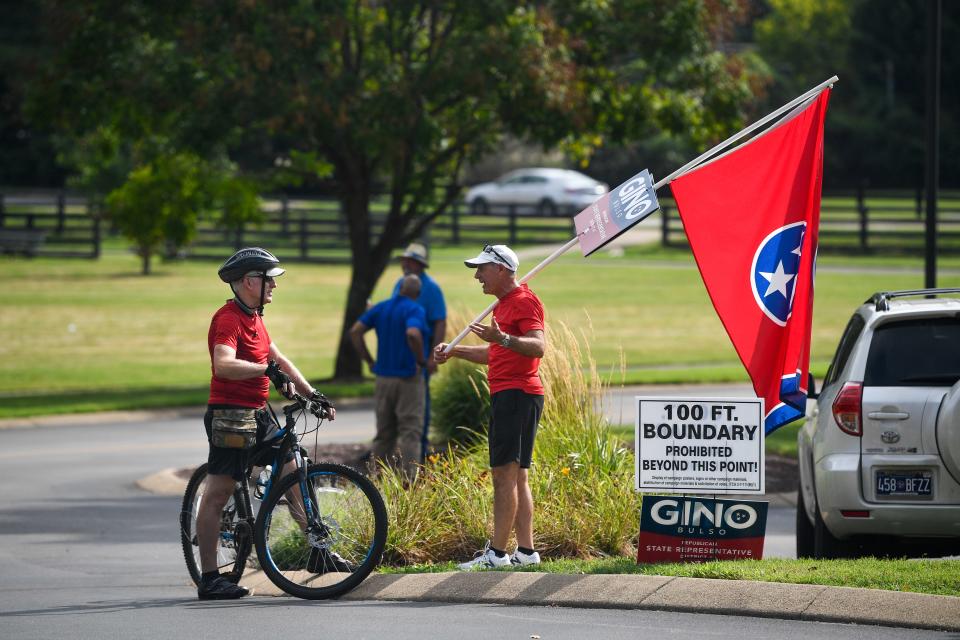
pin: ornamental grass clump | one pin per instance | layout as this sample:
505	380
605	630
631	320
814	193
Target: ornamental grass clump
581	478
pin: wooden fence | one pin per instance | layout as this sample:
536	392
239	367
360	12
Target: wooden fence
47	224
309	230
507	224
313	230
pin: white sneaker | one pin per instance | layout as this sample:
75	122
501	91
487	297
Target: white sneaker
522	559
485	559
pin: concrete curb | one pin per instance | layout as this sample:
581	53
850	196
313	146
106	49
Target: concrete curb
659	593
165	482
113	417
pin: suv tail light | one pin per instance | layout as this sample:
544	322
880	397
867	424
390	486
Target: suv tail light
846	408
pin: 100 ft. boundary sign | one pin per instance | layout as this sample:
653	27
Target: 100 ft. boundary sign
700	445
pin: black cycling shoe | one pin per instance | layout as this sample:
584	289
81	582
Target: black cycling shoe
220	589
325	561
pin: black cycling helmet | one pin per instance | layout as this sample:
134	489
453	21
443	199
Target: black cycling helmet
250	259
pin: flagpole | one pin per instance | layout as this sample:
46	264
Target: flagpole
684	169
756	125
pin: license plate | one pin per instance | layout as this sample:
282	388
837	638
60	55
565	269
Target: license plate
911	483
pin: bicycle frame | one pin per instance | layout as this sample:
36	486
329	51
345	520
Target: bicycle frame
288	442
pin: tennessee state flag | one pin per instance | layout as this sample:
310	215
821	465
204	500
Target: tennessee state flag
752	217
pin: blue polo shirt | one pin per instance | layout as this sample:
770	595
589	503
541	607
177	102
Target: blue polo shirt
431	299
391	319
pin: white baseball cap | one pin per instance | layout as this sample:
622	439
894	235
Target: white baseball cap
498	254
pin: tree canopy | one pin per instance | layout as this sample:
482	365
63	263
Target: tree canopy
388	97
876	123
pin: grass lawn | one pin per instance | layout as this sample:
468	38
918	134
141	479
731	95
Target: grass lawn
83	335
940	577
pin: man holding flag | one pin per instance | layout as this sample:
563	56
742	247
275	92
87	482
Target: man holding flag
515	343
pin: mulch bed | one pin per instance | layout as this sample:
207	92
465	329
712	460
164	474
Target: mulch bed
783	474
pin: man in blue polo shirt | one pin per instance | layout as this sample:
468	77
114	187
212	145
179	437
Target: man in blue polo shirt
414	261
400	325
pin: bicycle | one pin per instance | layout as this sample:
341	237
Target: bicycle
319	531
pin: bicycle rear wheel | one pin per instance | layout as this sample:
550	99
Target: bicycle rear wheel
330	559
236	539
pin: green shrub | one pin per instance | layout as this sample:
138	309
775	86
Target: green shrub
460	402
581	479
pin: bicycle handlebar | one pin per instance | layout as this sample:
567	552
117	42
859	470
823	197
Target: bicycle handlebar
317	404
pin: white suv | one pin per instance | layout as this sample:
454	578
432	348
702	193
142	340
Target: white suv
880	451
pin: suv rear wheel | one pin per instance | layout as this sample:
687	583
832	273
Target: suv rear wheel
825	545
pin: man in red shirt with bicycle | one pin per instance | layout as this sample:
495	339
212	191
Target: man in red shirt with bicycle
516	342
240	349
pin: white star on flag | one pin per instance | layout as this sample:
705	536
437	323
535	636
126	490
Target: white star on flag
778	280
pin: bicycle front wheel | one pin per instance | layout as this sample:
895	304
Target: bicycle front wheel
234	543
339	549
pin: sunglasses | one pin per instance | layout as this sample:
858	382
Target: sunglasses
265	277
489	249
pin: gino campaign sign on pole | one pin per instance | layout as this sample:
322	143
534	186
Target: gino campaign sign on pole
615	212
687	529
700	445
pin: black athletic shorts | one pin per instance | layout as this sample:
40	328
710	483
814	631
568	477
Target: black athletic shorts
514	416
233	462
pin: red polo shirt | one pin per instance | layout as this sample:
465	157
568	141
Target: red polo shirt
517	313
248	336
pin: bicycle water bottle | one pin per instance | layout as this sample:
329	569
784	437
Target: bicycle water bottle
262	481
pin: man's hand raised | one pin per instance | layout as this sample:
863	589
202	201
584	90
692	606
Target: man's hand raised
487	333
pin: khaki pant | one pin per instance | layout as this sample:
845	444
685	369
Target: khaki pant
399	421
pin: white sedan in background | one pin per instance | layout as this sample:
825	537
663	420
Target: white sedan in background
543	192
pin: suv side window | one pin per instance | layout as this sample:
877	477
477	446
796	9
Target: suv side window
921	352
849	338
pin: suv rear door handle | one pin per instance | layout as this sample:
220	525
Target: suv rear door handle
888	415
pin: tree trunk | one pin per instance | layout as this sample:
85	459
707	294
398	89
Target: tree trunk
349	366
368	266
144	262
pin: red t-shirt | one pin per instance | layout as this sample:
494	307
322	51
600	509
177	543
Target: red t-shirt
517	313
248	336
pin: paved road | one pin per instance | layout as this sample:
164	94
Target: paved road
155	614
86	554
